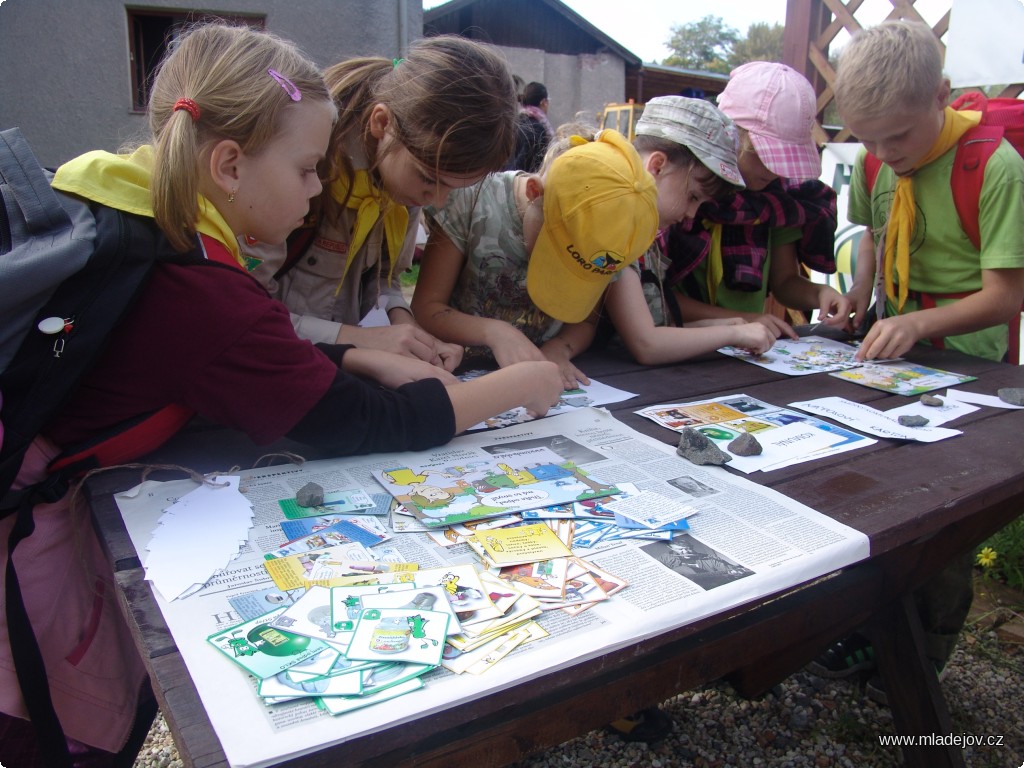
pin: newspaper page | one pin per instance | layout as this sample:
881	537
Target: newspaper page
744	541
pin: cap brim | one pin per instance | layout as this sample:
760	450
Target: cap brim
791	161
558	292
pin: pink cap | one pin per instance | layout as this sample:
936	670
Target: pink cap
776	105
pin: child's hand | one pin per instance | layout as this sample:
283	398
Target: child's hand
542	386
509	345
777	326
754	338
450	354
400	339
889	338
860	298
391	370
833	308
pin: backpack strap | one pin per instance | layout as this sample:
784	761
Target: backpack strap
872	165
972	153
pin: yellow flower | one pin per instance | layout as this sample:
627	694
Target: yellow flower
987	557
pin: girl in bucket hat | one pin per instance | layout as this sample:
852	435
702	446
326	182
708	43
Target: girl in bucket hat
515	266
728	258
689	147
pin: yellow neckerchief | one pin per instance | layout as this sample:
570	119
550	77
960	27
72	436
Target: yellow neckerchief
124	182
370	204
715	271
900	229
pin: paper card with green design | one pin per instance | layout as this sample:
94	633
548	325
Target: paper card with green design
262	649
399	634
513	481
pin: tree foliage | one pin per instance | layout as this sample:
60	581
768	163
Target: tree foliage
713	46
762	43
703	44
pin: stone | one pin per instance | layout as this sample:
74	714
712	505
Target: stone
309	495
931	400
745	445
1012	395
912	421
696	447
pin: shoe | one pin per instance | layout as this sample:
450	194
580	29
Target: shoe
847	657
647	725
874	688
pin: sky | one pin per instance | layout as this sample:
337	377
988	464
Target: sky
643	26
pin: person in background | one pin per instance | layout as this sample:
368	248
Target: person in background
934	285
535	131
728	258
240	120
409	131
515	266
689	147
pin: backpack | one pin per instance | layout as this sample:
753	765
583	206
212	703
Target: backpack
1001	118
70	270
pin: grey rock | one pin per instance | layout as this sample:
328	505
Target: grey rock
696	447
745	445
1012	395
912	421
309	495
931	400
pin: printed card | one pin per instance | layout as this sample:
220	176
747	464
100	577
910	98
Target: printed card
350	500
264	650
399	634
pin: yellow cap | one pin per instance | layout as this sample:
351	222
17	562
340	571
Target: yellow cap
600	215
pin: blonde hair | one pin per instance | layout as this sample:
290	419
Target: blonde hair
563	141
224	70
453	106
894	65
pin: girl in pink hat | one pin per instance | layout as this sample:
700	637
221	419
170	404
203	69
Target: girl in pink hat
727	259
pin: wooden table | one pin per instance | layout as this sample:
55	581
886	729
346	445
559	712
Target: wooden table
920	504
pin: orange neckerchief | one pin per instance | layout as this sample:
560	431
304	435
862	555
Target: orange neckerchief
370	203
902	216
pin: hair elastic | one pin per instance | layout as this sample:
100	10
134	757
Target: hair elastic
189	106
396	62
289	87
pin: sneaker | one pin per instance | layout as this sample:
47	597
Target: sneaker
647	725
847	657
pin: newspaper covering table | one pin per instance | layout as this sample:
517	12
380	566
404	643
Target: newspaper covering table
746	540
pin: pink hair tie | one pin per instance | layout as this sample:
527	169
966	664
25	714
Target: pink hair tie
289	87
189	106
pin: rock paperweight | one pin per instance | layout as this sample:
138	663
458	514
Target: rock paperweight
912	421
696	447
745	445
931	400
309	495
1012	395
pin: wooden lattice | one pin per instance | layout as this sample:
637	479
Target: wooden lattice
812	26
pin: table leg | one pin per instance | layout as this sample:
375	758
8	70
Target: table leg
912	686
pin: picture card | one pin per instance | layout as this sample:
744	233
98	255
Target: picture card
399	634
264	650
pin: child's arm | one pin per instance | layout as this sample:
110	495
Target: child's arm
571	340
793	289
999	300
691	309
653	345
863	287
440	266
536	386
402	337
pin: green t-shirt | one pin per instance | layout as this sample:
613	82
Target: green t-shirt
942	258
742	301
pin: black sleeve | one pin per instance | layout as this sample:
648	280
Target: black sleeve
357	417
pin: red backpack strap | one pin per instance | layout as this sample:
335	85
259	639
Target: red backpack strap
972	153
872	165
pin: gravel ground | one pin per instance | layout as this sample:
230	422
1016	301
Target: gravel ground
805	721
